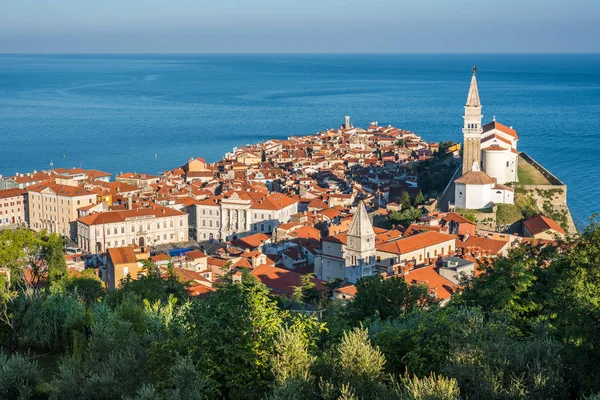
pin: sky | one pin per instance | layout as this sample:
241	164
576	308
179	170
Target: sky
299	26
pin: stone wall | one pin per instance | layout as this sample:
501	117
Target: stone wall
553	196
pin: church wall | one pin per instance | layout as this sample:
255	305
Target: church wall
494	163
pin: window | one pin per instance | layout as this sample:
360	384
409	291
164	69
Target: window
122	242
450	248
172	236
107	244
254	227
132	229
158	225
203	222
122	229
203	212
435	253
164	237
209	212
180	222
171	224
125	271
262	227
115	231
420	257
165	224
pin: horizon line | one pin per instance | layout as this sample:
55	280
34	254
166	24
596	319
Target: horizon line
306	53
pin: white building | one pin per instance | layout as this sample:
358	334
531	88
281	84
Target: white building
490	158
237	214
143	227
476	189
350	255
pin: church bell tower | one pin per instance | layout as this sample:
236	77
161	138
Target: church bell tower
472	129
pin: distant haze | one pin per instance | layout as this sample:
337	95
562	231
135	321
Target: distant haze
309	26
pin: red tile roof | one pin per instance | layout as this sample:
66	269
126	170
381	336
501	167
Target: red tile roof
415	242
540	223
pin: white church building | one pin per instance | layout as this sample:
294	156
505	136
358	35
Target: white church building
349	255
490	158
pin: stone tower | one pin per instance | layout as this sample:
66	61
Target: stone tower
472	129
360	247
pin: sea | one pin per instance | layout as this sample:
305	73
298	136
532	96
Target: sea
147	113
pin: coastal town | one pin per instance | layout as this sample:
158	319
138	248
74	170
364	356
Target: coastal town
336	206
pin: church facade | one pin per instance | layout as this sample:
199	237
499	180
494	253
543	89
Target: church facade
490	158
349	255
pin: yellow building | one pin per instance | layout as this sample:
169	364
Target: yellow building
124	261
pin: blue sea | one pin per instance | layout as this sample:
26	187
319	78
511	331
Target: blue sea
147	113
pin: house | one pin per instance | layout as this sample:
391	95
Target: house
458	225
123	262
542	227
13	207
416	249
455	269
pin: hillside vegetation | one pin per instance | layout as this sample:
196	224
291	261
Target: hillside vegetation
525	328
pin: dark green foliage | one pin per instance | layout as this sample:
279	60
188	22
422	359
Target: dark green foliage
404	218
419	199
405	200
19	377
380	298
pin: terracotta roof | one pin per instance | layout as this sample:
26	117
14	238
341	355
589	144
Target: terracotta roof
194	254
110	217
494	246
61	190
494	147
415	242
282	281
122	255
275	201
540	223
160	257
428	275
476	178
452	216
252	241
502	128
349	290
7	193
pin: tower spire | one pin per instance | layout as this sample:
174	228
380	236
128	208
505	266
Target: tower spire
472	129
473	96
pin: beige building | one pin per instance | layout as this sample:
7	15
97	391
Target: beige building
123	262
54	207
13	207
416	249
143	227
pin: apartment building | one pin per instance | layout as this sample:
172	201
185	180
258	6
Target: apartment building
54	207
13	207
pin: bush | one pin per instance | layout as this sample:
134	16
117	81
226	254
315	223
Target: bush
19	377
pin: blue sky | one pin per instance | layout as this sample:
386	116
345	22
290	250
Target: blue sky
308	26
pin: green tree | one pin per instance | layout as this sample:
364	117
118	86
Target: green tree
379	298
231	335
405	200
53	255
359	364
419	198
